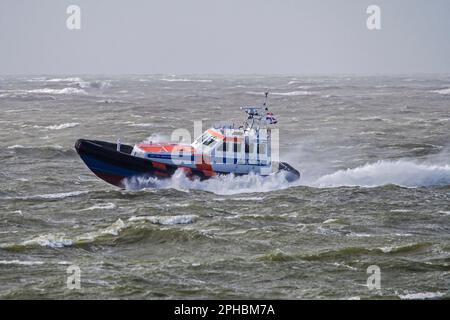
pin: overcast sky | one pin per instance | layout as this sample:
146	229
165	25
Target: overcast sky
224	36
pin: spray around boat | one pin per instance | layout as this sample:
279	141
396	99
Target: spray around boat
221	150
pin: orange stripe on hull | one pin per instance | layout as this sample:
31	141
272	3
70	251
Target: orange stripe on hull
159	165
164	148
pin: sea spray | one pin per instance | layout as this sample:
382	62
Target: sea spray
222	184
401	172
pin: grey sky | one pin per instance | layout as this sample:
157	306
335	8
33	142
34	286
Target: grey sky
226	36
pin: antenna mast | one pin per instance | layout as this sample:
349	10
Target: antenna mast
265	100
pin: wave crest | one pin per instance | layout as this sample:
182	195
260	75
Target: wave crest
401	172
222	184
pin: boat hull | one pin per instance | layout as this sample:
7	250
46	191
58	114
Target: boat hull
114	166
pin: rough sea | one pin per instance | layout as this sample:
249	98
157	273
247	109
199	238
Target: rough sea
375	190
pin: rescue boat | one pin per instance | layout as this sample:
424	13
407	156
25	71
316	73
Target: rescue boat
220	150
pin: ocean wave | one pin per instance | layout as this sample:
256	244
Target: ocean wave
401	172
346	252
94	84
70	79
222	184
185	80
141	125
20	262
16	146
135	229
276	256
42	152
49	196
421	295
442	91
19	93
68	91
166	220
101	206
62	126
290	93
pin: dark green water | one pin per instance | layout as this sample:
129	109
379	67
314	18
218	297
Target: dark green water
375	190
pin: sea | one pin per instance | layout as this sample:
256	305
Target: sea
369	218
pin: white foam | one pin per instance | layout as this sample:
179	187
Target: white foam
223	184
62	126
184	80
20	262
58	91
74	79
94	84
61	195
330	221
421	295
115	228
142	125
164	220
290	93
442	91
101	206
49	240
402	172
16	146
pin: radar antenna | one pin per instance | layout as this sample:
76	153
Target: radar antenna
258	115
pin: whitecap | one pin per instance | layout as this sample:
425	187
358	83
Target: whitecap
442	91
51	196
16	146
421	295
292	93
185	80
49	240
74	79
20	262
401	172
58	91
101	206
166	220
222	184
62	126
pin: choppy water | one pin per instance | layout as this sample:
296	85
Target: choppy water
373	151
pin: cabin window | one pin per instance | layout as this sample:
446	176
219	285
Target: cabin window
262	148
224	147
201	138
235	147
208	141
247	146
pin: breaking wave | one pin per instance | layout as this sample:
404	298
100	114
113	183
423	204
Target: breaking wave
68	90
101	206
221	185
421	295
185	80
94	84
49	196
70	79
135	228
443	91
401	172
62	126
290	93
